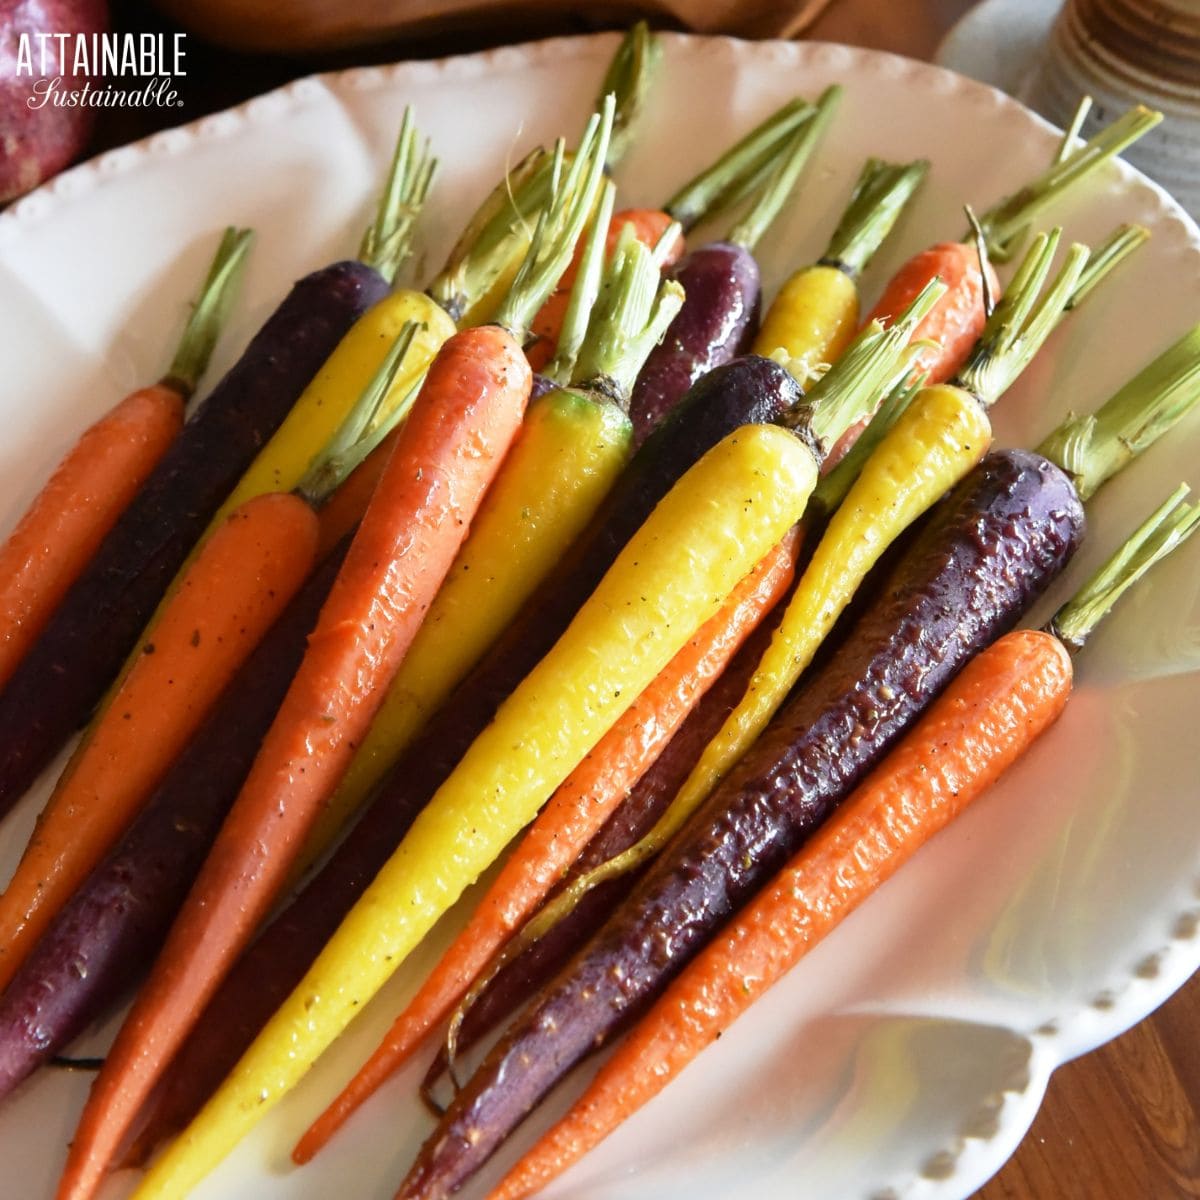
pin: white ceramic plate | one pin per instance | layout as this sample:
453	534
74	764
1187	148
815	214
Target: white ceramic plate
908	1054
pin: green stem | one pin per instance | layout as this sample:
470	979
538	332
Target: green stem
832	488
1006	222
209	312
363	427
851	388
1165	530
880	196
1022	320
1094	448
498	230
388	239
1122	242
636	306
584	291
629	78
1067	145
717	186
559	226
748	232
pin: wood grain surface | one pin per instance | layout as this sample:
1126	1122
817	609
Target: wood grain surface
1121	1123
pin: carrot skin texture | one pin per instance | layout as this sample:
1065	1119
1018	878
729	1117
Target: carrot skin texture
718	320
1003	700
79	504
111	929
449	448
753	389
980	561
84	644
577	808
534	967
956	321
228	599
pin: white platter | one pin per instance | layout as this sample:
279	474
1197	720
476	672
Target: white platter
907	1056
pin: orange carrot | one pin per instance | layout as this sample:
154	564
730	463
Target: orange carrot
649	225
958	318
1000	703
448	450
80	503
570	818
228	599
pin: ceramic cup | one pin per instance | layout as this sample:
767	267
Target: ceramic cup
1122	52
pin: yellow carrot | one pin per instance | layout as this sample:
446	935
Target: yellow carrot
709	531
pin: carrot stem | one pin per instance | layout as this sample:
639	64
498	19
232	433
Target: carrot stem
488	241
1005	222
880	195
629	78
363	428
728	179
559	226
584	291
388	239
1122	242
833	486
209	313
633	312
1093	448
1022	320
1169	526
749	231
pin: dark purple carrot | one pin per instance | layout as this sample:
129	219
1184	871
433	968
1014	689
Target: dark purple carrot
104	938
521	977
722	291
986	553
85	642
746	391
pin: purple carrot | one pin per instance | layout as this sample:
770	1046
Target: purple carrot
110	931
748	390
82	647
986	553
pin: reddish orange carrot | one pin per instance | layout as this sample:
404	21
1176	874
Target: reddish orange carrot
988	716
97	480
80	503
567	823
649	225
228	599
450	446
958	318
999	704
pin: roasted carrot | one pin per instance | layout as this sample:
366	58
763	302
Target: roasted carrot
940	436
100	475
957	323
573	444
989	716
229	596
69	517
570	818
461	425
260	556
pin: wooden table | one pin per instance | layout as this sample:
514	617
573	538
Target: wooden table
1122	1123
